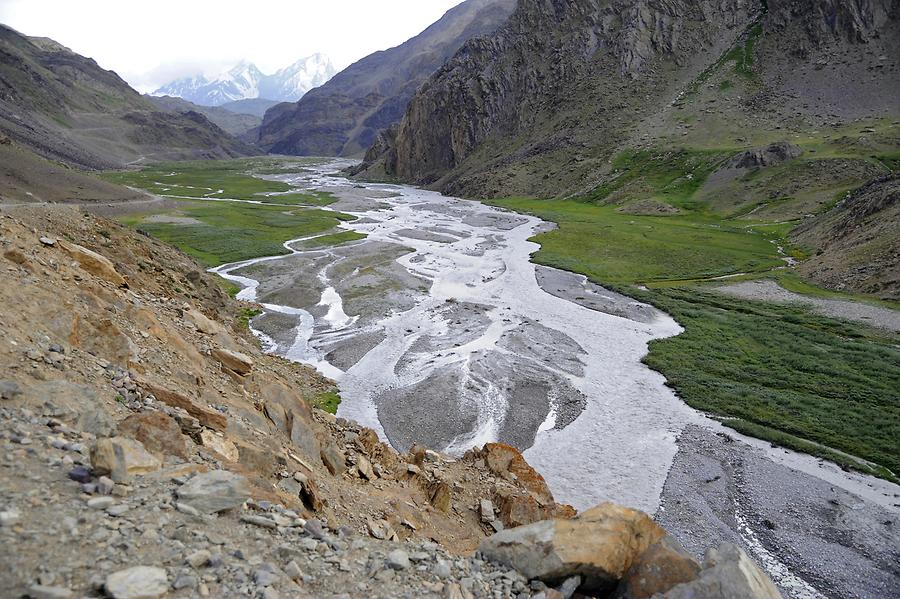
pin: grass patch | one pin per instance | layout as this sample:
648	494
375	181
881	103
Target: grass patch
229	232
784	368
246	315
620	248
333	239
671	176
216	233
328	401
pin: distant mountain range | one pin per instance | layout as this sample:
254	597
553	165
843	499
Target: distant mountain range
245	81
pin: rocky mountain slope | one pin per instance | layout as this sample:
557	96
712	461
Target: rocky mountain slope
245	81
65	107
342	117
142	424
857	243
539	107
234	123
253	106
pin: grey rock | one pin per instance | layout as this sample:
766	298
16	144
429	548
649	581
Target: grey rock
727	572
199	558
105	485
138	582
260	521
441	569
293	570
334	459
568	588
215	491
97	422
486	510
9	390
265	575
398	560
100	503
185	581
40	591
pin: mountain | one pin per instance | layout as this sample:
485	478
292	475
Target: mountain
253	106
541	107
235	123
245	81
63	106
343	116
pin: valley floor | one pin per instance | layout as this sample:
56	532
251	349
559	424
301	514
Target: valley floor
332	302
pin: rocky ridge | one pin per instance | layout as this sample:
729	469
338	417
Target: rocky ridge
539	107
142	424
343	116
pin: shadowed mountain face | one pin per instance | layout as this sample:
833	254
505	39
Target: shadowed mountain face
343	117
65	107
235	123
541	106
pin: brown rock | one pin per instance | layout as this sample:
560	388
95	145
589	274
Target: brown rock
94	263
310	495
121	458
15	256
727	572
103	337
518	509
440	496
158	433
503	460
334	459
662	566
234	361
291	414
207	417
417	454
600	545
220	445
200	322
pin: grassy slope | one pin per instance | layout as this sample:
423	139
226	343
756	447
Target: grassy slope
220	232
779	372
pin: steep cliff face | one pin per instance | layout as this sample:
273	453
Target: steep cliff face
538	107
344	116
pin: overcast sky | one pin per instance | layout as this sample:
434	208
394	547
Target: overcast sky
150	43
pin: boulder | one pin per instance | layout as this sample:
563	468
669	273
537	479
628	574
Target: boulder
215	491
139	582
200	322
727	572
121	458
104	338
662	566
97	422
94	263
364	466
600	545
440	496
158	432
220	445
505	460
334	459
207	417
235	361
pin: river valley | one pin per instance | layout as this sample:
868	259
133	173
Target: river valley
439	330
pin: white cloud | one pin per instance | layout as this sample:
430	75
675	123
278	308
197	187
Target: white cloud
149	43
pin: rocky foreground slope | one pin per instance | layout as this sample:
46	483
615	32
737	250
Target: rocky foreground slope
150	449
343	116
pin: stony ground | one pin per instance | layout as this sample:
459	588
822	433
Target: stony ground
128	378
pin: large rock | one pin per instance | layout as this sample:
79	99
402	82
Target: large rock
220	445
727	572
291	414
201	322
215	491
600	545
505	460
207	417
121	458
235	361
139	582
94	263
662	566
158	432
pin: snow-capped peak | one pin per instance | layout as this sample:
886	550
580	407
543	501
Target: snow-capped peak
245	81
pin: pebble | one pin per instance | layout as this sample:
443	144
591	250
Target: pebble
138	582
265	575
199	558
40	591
100	503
